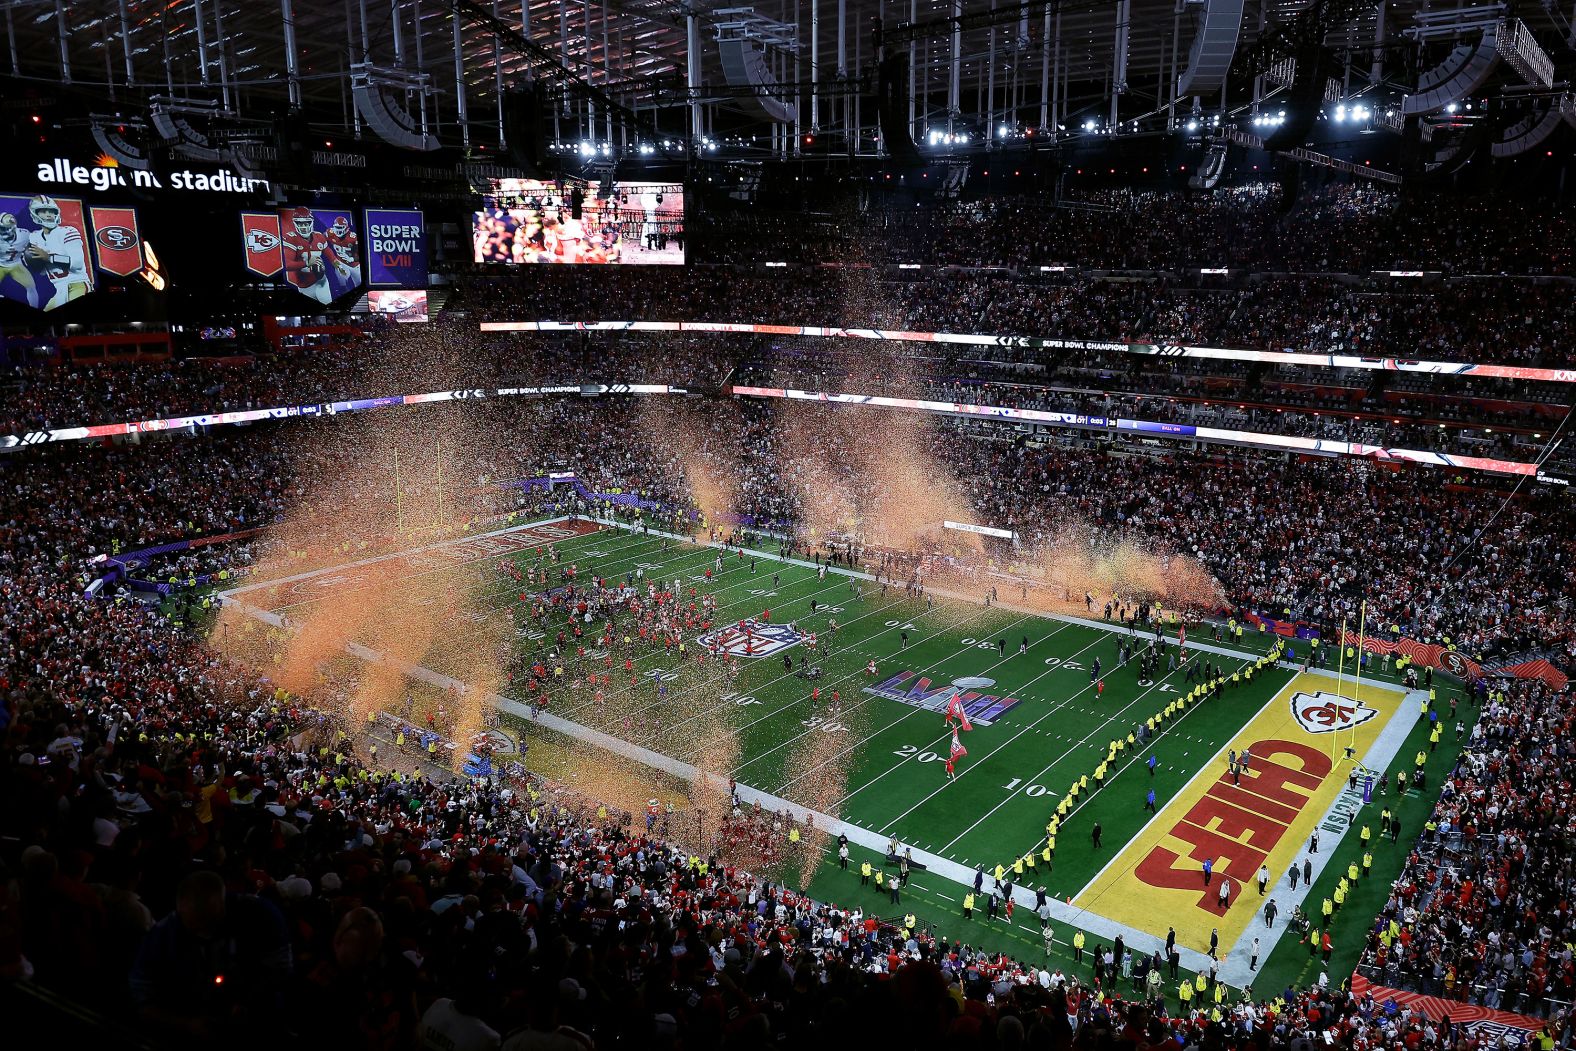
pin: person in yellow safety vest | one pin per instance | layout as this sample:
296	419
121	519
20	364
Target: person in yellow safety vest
1340	895
1150	723
1083	780
864	874
1000	872
1351	873
1078	946
1061	808
1200	983
1017	867
1433	737
1049	852
1329	910
909	923
1220	992
1247	674
1368	862
1421	760
968	906
880	878
1072	793
1185	993
793	835
1028	859
432	749
1131	739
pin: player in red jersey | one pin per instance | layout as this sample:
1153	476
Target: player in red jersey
307	254
347	256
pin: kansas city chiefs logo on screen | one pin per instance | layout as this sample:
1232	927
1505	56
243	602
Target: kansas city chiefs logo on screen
1323	713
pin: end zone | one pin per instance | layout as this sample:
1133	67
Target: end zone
281	592
1299	766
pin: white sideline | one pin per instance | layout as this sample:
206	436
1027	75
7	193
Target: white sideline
1062	912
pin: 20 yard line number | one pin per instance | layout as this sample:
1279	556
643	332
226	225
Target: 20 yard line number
909	751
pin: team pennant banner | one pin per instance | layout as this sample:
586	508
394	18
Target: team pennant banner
117	243
260	236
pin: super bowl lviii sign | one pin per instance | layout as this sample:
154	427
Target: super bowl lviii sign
396	248
50	246
317	250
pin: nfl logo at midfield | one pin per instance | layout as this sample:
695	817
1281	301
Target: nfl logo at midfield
760	640
1323	713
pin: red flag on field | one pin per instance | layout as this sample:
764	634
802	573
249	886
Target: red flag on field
955	711
958	751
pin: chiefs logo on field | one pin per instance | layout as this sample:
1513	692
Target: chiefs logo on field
1322	713
759	640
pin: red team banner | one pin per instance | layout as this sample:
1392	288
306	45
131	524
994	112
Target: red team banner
317	250
117	243
263	245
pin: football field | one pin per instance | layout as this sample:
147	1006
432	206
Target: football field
870	750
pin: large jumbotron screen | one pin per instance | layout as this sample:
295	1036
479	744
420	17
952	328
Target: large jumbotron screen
528	221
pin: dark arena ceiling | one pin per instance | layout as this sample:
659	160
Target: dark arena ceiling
788	76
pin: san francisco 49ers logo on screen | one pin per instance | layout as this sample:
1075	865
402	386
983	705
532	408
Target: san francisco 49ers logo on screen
1322	713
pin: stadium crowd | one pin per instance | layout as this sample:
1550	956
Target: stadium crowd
1483	909
1337	228
224	862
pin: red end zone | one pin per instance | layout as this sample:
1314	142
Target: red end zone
388	569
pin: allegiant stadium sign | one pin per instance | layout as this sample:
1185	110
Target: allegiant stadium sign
102	177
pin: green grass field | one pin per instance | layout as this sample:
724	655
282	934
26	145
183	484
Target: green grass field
877	762
885	759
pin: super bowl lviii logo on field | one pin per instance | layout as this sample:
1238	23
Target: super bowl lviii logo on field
914	689
752	640
1323	713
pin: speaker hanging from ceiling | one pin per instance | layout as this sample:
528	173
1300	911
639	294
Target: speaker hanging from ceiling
525	128
892	109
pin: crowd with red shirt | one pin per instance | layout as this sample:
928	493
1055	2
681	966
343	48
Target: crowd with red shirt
221	861
1483	910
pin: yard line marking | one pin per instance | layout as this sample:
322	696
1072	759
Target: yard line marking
1064	755
903	717
975	766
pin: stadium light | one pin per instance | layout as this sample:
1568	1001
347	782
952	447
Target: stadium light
1088	125
1192	125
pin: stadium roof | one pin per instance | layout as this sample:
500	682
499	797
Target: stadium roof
637	51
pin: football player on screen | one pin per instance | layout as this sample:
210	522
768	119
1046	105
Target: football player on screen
58	251
14	243
347	249
308	254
